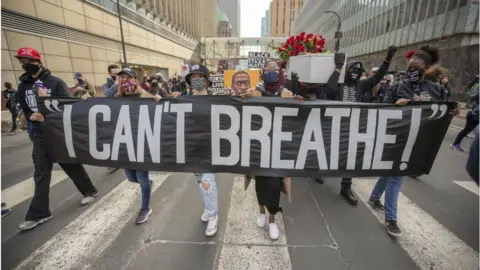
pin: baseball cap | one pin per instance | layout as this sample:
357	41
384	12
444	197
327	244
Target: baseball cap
29	53
77	75
128	71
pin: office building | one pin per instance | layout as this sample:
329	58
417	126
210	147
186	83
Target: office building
282	15
369	27
232	10
224	28
84	35
265	23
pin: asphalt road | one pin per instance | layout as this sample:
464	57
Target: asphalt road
319	230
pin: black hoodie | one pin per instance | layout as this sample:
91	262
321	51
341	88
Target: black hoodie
27	93
332	90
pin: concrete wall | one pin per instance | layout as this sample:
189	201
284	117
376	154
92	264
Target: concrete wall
64	57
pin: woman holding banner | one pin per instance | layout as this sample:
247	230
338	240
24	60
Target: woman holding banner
130	88
413	88
268	189
199	80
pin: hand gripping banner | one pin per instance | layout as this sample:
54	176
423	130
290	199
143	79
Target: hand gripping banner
257	136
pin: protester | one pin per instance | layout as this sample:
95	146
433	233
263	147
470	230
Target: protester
199	80
414	88
110	89
268	189
220	69
83	88
5	211
110	86
156	88
37	80
10	96
144	83
353	90
471	119
130	88
176	88
162	83
446	88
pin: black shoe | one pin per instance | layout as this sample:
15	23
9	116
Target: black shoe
6	212
377	205
319	180
143	215
3	204
392	228
348	195
111	170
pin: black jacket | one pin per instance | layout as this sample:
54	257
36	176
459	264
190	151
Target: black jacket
11	96
332	90
428	90
27	93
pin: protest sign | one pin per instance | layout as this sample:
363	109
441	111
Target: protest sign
257	136
257	59
217	87
228	77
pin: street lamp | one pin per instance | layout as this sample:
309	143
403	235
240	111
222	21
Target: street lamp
121	35
338	34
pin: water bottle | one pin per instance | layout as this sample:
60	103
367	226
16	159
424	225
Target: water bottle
38	85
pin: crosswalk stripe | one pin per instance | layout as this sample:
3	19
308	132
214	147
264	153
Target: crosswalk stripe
246	245
92	232
429	243
23	191
468	185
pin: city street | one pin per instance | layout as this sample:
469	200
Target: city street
438	213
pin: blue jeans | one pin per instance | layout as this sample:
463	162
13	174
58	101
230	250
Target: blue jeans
210	195
391	186
142	178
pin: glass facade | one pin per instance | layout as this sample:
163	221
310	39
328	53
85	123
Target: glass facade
372	25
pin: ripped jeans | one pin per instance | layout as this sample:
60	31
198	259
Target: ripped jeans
209	195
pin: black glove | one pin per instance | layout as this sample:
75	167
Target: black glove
339	60
391	52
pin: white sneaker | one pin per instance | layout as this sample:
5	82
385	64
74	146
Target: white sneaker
261	220
212	226
89	198
273	231
204	217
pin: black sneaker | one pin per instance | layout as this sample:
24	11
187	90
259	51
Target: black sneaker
319	180
143	215
392	228
6	212
348	195
377	205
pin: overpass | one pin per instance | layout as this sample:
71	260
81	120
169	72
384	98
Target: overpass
234	49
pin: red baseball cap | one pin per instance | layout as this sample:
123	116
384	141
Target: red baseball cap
29	53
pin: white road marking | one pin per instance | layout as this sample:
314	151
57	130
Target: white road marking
24	190
468	185
93	231
429	243
247	246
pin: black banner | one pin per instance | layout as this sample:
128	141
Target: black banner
258	136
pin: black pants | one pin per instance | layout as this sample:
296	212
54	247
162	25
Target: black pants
346	183
268	191
470	124
39	207
13	111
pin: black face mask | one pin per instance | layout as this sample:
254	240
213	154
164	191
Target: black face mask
414	75
31	68
154	83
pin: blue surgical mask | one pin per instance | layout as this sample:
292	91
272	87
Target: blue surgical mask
271	77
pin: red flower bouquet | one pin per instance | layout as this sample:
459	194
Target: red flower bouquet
301	44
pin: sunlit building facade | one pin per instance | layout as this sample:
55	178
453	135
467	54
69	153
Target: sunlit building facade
282	15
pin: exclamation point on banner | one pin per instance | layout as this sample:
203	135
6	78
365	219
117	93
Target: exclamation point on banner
412	136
